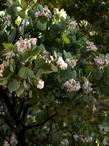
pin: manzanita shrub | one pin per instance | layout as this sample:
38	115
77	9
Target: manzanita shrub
54	82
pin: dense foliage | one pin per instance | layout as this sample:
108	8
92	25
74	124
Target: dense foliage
93	16
53	80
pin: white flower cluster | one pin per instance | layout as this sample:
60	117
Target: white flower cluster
61	63
83	138
64	142
94	109
87	86
9	55
40	84
40	13
1	69
71	62
7	20
91	46
72	85
24	45
44	12
106	141
61	13
47	57
32	118
45	54
101	61
72	25
103	129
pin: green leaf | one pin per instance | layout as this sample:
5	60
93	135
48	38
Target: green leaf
39	73
44	70
88	68
12	36
47	69
3	81
68	74
67	54
57	17
40	62
25	57
31	74
36	51
41	26
14	85
39	7
43	19
65	39
12	65
12	10
23	4
8	46
20	91
74	74
39	115
31	14
22	14
97	74
23	72
54	68
18	20
30	94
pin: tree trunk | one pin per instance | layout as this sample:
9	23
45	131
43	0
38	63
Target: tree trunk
21	138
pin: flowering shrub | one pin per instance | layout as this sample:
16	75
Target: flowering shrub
53	80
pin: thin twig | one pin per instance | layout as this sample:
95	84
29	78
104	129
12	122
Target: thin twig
40	124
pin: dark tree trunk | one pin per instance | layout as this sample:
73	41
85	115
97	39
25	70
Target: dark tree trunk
21	139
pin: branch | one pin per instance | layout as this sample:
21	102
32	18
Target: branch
24	112
24	109
21	108
13	99
6	140
40	124
48	134
9	105
7	121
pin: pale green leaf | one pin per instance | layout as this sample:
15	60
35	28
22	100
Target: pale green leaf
23	72
14	85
